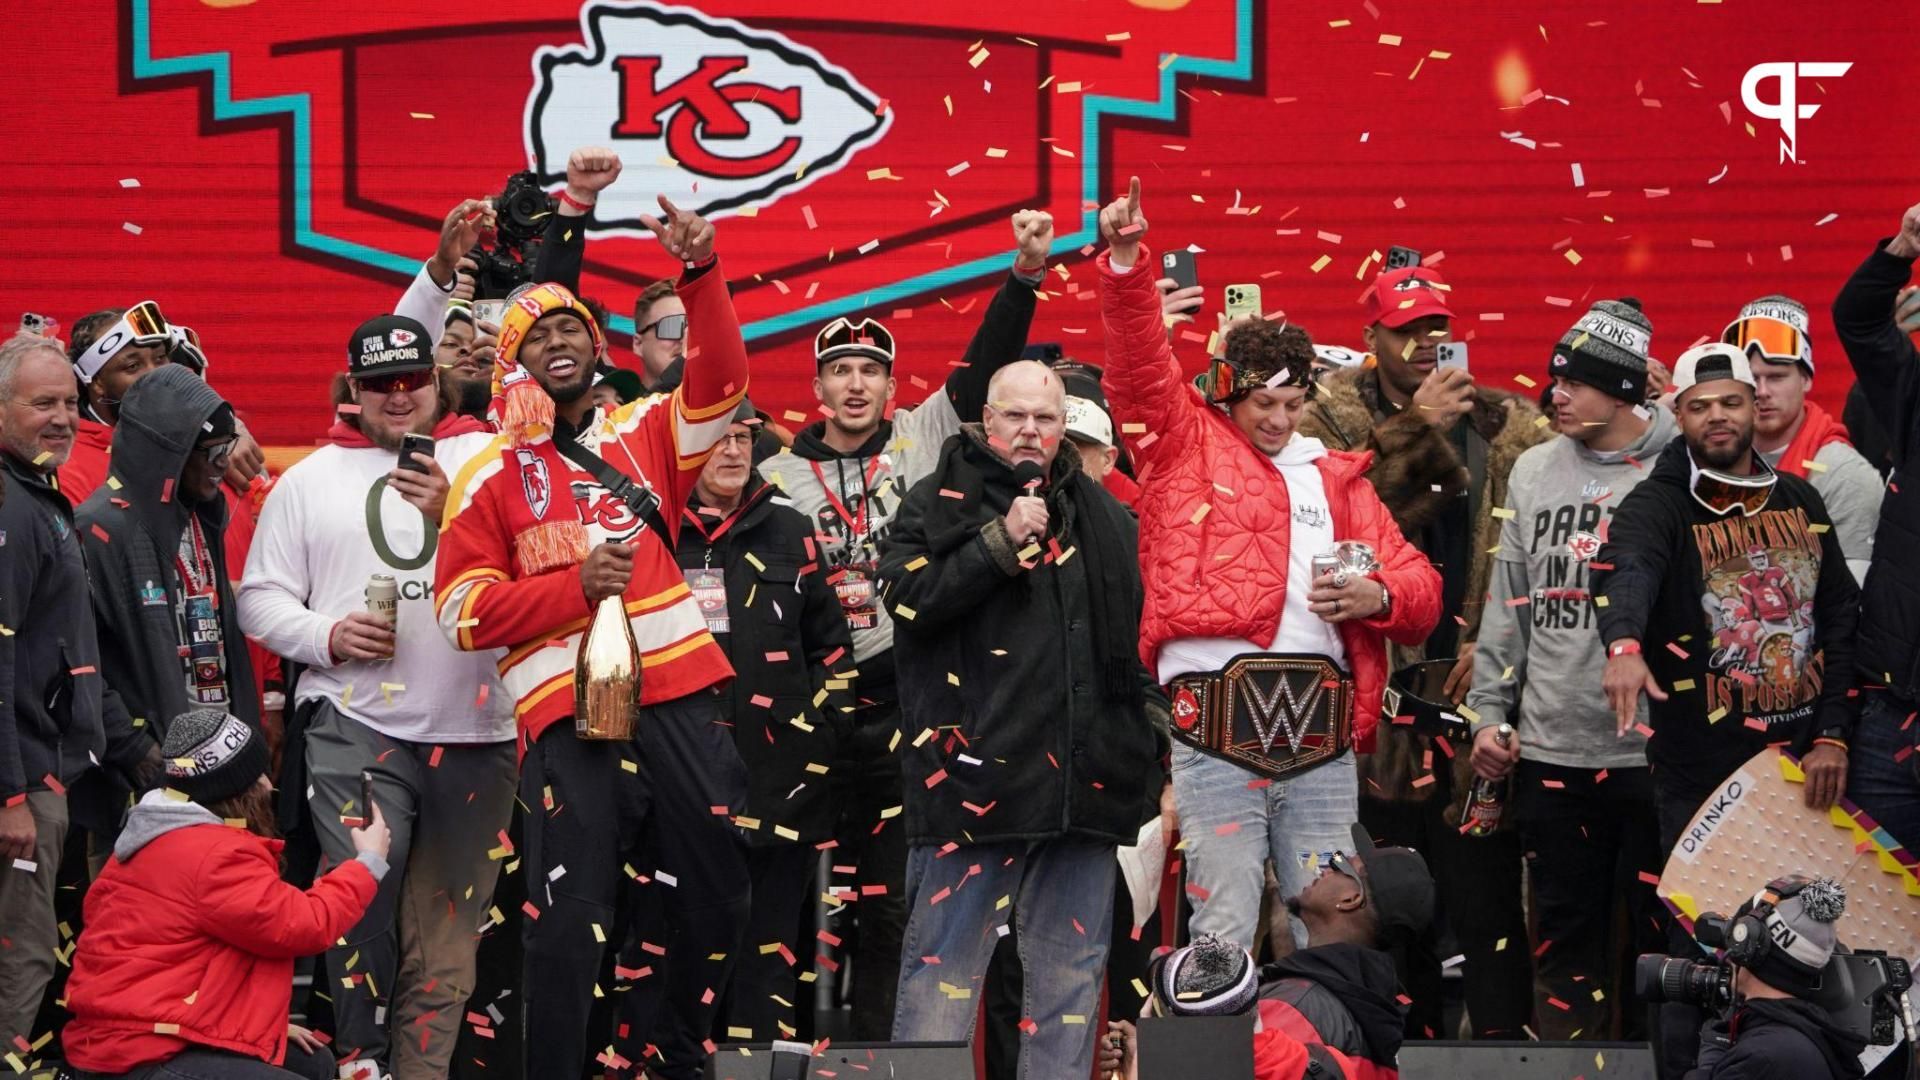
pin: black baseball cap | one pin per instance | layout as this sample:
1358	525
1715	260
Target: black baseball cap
388	345
1399	887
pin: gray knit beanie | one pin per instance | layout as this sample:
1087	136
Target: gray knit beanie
213	755
1607	349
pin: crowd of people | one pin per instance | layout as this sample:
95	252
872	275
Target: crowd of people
1014	658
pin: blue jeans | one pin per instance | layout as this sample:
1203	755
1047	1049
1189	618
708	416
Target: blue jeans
1060	896
1232	828
1888	790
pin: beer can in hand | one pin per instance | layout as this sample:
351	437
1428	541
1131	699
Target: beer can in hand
383	598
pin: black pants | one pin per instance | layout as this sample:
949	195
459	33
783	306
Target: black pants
595	809
766	988
205	1064
876	848
1477	881
1675	1028
1587	842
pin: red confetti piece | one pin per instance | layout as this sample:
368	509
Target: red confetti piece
433	759
99	534
779	657
1553	784
761	701
166	490
1676	650
532	912
1650	878
1755	723
936	777
830	939
88	670
949	493
1558	1004
53	784
1600	777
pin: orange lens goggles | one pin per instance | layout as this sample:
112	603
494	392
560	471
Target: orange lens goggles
146	324
1771	338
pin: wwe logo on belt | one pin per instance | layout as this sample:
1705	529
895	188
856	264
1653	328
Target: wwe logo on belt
1787	111
1278	709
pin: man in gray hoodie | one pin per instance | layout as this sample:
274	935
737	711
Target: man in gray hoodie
1581	796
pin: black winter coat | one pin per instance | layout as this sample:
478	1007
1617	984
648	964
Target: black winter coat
131	533
1888	369
49	716
1778	1039
1005	734
791	701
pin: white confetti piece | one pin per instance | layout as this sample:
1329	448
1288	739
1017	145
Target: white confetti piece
869	246
26	865
1579	176
129	182
665	878
132	228
1825	220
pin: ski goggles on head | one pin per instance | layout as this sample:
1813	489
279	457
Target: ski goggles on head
1724	493
1225	380
141	325
1769	339
186	351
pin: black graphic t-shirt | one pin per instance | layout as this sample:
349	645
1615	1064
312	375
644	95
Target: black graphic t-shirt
1746	620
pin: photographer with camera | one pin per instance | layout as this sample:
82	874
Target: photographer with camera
536	237
1779	946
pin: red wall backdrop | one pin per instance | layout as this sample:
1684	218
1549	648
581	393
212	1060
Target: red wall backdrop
265	170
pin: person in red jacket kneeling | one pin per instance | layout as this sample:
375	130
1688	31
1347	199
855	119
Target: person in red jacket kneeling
1275	666
185	968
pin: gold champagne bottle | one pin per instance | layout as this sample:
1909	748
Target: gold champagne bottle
606	675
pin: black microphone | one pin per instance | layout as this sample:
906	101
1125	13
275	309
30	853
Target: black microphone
1029	475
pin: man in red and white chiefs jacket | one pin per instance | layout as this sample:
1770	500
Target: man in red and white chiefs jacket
1275	673
532	546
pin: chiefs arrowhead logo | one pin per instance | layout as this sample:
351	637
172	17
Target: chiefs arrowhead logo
401	338
1584	546
706	111
1186	708
913	129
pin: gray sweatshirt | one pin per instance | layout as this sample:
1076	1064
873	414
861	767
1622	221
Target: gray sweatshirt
1562	496
1851	488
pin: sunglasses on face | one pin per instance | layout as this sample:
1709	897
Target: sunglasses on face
217	454
404	383
668	327
1339	862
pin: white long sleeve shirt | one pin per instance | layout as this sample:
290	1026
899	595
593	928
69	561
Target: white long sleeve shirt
313	553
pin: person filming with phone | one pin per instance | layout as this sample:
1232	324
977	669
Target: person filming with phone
1235	507
385	691
185	968
1443	448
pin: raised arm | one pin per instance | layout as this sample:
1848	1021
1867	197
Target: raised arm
563	246
715	379
1142	379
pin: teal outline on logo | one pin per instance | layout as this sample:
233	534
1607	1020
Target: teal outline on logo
1095	107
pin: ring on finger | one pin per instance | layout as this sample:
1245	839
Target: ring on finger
1336	607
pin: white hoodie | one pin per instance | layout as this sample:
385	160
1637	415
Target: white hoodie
312	555
1311	533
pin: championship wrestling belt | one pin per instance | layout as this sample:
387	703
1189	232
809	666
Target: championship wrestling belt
1273	713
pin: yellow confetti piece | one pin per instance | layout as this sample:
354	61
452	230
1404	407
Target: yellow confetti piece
1320	263
1472	717
1140	988
630	767
902	611
1500	946
1817	528
740	1033
1599	601
952	679
599	935
1526	382
1001	904
1572	256
890	812
978	58
1389	39
1072	1019
1717	715
785	833
1684	684
421	115
1200	513
1504	513
746	822
757	564
816	768
42	457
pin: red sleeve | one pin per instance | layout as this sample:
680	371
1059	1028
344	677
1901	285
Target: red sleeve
479	602
243	902
714	384
1412	580
1142	379
1277	1056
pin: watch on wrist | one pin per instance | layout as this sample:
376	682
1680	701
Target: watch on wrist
1386	600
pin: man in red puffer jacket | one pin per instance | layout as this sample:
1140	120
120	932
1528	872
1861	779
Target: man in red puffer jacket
187	956
1275	673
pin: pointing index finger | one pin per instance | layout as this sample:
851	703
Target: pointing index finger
1133	195
673	212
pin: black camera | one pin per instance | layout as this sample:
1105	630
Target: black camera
1704	985
520	215
1861	990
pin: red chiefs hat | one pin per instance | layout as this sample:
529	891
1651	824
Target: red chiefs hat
1403	295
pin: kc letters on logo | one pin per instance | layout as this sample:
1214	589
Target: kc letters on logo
713	114
1787	110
